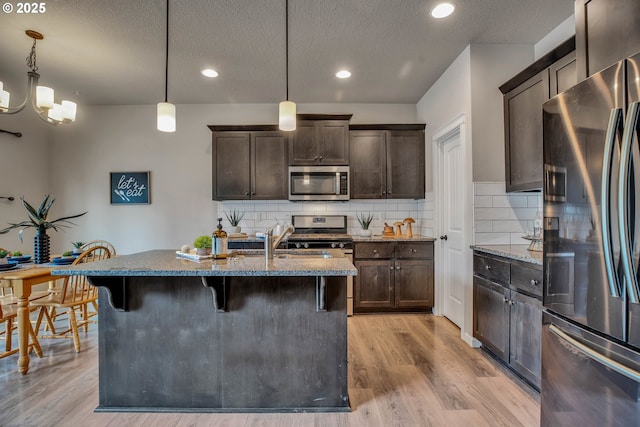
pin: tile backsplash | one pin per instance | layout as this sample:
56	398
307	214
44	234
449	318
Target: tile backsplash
501	218
261	214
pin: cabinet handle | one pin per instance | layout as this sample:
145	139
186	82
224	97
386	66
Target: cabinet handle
315	158
375	251
246	193
414	251
488	267
512	302
391	268
534	282
321	157
505	300
384	193
397	267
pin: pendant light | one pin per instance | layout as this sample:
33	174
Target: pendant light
287	109
166	110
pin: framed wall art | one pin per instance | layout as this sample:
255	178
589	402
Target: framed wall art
130	188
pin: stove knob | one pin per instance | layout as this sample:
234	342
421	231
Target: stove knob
341	245
333	245
297	245
306	246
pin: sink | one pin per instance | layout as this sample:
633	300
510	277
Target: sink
288	254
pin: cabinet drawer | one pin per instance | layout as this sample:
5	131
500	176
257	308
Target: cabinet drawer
527	278
414	250
373	250
491	268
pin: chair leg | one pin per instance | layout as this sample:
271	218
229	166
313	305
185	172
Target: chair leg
34	341
85	317
74	328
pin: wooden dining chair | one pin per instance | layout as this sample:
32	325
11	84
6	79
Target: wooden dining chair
8	315
104	243
75	293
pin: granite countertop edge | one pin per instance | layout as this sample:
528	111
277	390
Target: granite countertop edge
160	263
515	252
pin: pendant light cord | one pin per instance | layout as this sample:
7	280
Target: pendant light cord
166	56
286	24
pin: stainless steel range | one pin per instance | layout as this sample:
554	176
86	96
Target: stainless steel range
320	231
324	232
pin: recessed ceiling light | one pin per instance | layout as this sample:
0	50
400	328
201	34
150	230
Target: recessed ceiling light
442	10
343	74
209	72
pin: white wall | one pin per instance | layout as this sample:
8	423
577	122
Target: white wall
123	138
556	36
24	171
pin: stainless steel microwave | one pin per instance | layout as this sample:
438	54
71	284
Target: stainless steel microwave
318	182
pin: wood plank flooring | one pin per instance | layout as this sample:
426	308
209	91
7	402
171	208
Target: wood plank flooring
404	370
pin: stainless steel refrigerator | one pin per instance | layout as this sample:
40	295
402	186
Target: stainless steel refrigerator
591	319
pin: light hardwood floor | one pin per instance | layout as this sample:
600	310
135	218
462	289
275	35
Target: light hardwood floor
404	370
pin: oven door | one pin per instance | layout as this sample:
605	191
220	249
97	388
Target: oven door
318	183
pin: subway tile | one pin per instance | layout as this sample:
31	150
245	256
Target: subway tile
492	239
534	201
492	213
483	201
483	226
509	227
524	213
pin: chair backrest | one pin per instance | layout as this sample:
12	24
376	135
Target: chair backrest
104	243
76	288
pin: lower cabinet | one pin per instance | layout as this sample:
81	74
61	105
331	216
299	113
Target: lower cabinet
393	276
507	313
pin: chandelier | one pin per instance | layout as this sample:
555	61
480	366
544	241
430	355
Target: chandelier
41	97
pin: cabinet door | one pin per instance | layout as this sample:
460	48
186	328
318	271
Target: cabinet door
606	32
523	133
368	161
231	164
491	316
414	283
269	165
373	286
526	333
563	74
304	148
334	142
405	164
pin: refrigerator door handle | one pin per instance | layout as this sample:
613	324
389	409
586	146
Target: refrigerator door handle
628	266
615	123
598	357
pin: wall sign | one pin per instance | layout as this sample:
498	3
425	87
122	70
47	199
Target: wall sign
130	188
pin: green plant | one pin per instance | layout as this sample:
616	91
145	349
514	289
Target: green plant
234	217
365	220
77	245
202	242
67	253
38	218
16	253
3	253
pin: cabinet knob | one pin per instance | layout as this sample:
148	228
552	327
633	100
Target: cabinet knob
534	282
253	193
488	267
397	267
321	157
391	268
375	251
384	193
389	192
414	251
246	193
505	300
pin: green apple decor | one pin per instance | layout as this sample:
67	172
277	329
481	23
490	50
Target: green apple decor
38	220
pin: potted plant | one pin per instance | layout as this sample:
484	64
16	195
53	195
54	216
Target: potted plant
234	219
77	247
203	245
365	222
37	218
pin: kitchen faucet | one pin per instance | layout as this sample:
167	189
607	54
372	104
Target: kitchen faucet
270	245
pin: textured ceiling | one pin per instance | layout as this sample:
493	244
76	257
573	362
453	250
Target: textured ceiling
112	52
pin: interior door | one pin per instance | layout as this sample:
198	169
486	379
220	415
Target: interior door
452	240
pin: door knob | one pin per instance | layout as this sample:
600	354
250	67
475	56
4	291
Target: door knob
443	237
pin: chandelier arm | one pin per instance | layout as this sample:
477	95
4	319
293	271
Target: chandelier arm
31	87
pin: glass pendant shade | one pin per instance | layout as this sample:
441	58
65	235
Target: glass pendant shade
69	110
4	98
44	97
287	121
55	113
166	117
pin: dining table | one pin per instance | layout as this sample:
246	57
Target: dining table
22	280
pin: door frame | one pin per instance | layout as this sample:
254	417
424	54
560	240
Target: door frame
455	125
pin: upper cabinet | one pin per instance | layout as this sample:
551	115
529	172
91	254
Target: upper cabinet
249	162
524	95
320	139
606	32
387	161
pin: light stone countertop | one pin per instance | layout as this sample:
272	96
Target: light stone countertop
517	252
243	263
381	238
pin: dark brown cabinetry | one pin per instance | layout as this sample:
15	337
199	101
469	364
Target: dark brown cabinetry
249	164
523	98
387	161
320	140
606	32
393	276
507	312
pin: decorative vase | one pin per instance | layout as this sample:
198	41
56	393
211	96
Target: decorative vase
235	229
41	248
365	233
203	251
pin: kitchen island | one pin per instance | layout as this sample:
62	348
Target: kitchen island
234	335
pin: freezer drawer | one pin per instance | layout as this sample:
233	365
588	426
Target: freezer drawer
586	379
